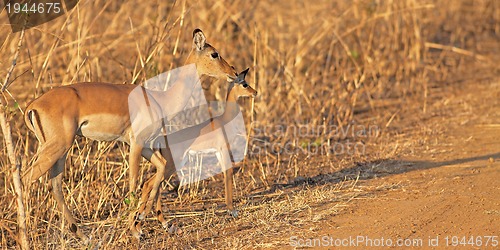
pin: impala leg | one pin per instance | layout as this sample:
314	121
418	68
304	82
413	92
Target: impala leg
56	173
152	186
169	171
134	162
48	154
149	190
223	157
135	225
228	185
159	213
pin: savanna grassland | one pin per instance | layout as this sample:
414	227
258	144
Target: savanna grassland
364	109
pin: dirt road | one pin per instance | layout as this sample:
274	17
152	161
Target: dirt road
446	193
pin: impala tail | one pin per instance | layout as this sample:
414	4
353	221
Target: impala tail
32	120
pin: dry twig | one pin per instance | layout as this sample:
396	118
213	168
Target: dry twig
16	175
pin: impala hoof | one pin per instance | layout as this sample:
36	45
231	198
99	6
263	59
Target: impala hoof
164	224
137	234
233	213
136	230
175	230
85	240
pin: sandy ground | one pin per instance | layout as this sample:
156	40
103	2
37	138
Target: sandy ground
444	193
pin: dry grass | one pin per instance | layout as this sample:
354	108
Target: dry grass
325	64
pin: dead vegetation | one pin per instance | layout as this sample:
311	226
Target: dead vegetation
320	68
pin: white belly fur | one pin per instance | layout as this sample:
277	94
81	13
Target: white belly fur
104	127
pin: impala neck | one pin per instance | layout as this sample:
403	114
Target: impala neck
188	59
232	108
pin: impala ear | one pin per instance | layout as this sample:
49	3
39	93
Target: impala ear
199	40
243	73
241	76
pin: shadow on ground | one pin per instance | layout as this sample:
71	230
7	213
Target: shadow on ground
371	170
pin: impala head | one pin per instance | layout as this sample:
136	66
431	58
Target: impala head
208	60
240	88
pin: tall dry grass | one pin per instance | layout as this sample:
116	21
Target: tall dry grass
320	65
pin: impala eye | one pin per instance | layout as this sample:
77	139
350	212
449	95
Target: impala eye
215	55
245	85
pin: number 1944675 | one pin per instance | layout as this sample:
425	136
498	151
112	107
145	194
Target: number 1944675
35	8
478	241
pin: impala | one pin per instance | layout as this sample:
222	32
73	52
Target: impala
100	111
209	136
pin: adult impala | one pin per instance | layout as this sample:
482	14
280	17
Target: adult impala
100	111
211	135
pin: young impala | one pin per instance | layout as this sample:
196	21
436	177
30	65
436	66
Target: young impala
100	111
207	136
